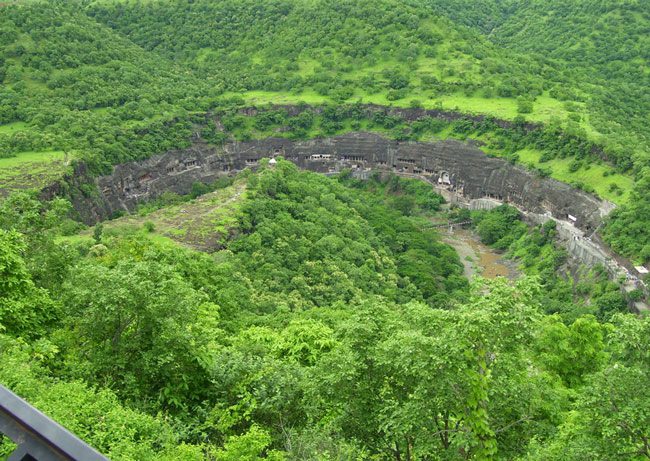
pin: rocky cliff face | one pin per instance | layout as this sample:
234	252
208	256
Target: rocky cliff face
459	168
460	171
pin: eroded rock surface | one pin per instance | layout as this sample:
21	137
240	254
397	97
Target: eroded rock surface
458	168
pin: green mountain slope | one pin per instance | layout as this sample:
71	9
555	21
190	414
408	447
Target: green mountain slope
600	48
71	84
112	81
580	61
381	51
62	59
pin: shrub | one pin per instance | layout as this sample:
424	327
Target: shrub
524	105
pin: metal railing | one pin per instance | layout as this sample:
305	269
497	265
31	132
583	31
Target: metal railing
38	437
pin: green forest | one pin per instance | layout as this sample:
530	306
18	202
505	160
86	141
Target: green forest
332	325
287	315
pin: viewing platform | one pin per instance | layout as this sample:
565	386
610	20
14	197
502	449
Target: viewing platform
38	437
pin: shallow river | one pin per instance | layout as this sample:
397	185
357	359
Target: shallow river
479	259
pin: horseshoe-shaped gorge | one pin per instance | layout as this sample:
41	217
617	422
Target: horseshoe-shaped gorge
463	174
459	169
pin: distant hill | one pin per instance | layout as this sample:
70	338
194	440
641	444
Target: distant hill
600	48
585	61
71	84
340	49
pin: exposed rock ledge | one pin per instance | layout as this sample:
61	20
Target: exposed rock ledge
460	171
459	167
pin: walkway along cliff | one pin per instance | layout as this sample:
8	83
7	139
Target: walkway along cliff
461	172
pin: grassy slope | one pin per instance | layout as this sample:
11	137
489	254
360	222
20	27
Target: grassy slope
11	128
31	170
593	175
203	223
458	55
503	108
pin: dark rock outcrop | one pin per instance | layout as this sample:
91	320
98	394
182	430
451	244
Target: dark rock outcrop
457	167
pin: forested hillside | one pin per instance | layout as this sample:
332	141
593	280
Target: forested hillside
330	325
598	52
337	49
603	48
591	56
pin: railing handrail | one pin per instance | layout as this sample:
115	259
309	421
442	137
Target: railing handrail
39	437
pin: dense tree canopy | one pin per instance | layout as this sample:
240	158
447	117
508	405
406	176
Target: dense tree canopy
332	324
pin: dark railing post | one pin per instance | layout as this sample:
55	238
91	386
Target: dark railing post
38	437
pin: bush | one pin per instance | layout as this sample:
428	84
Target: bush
97	232
575	165
497	224
394	95
524	105
198	189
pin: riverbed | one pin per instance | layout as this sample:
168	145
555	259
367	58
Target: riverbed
477	258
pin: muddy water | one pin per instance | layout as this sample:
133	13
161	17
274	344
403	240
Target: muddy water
479	259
